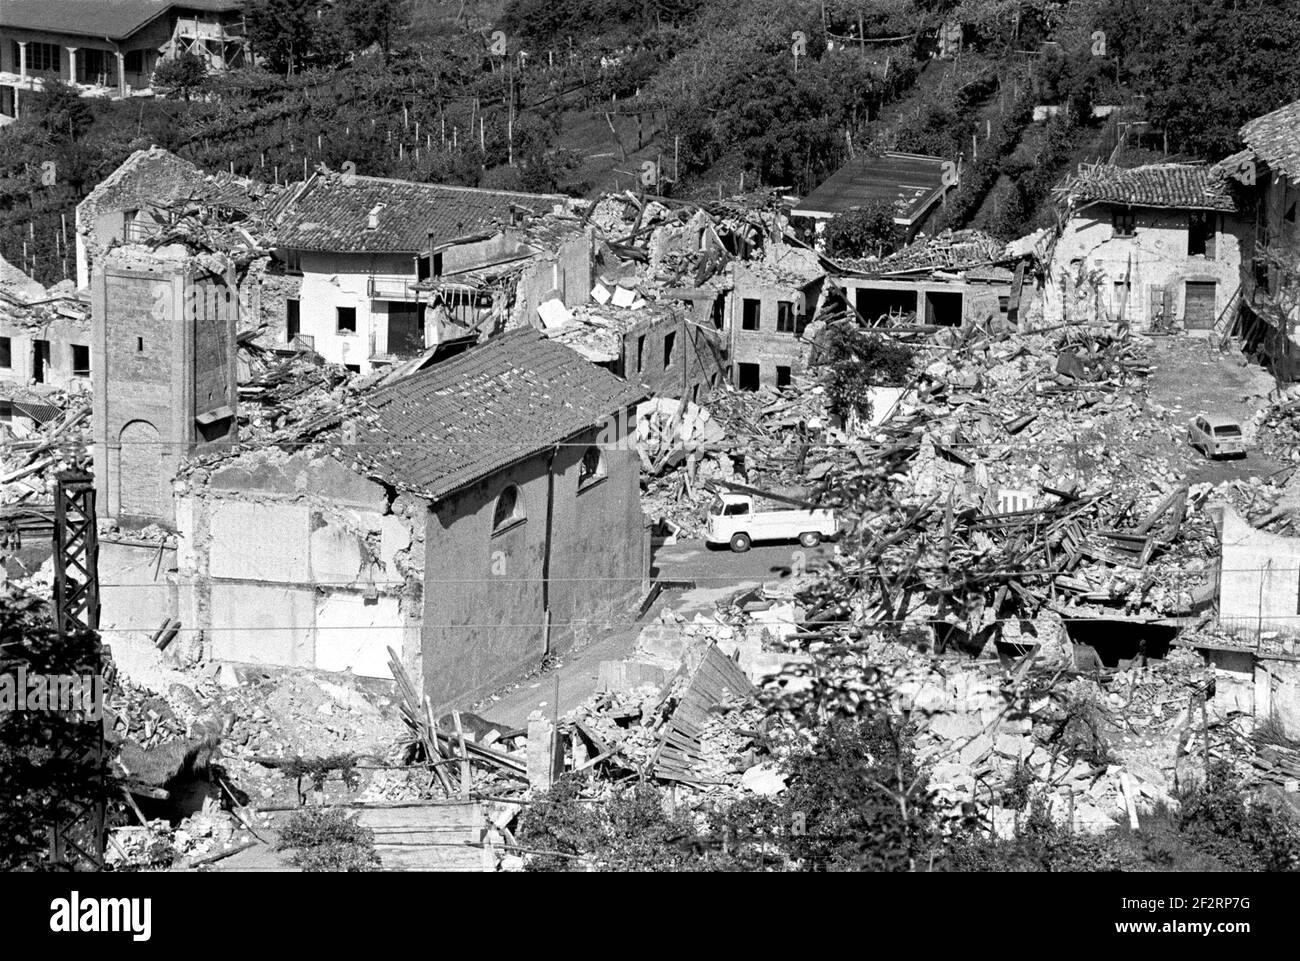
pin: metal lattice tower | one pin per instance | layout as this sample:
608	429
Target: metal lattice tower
76	554
79	842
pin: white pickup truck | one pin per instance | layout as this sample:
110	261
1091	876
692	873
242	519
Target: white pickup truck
733	520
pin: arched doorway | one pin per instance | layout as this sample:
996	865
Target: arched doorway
139	477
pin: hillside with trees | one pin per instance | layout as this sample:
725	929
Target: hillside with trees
581	96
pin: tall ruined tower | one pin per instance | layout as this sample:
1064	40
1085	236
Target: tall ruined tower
164	371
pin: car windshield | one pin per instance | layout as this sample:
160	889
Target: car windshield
1227	430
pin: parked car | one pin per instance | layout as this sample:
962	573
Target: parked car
733	521
1216	436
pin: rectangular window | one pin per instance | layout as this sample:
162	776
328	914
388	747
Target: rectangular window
6	412
40	360
134	61
347	319
43	58
782	376
293	261
640	353
784	317
670	341
718	305
747	377
1198	229
80	360
750	315
1124	221
6	352
292	318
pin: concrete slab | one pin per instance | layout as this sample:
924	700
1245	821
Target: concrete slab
352	635
260	541
263	624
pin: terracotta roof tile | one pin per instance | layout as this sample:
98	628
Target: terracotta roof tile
1275	139
1181	186
464	418
331	212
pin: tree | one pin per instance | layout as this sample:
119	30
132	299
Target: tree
863	231
368	23
283	32
181	76
45	773
1207	74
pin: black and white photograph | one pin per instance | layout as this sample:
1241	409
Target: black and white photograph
649	437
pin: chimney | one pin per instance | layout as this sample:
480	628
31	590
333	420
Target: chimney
372	218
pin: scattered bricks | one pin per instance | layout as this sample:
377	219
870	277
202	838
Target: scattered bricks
931	698
662	640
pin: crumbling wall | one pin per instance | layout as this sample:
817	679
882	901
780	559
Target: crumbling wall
1154	257
768	347
152	176
333	280
25	330
693	367
1259	583
297	560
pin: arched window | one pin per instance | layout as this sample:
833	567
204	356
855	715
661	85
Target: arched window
510	509
592	468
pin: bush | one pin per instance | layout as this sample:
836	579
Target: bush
863	231
328	839
631	832
859	361
1246	835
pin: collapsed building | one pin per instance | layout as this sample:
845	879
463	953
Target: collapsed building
1163	246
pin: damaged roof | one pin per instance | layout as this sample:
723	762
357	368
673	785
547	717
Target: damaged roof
496	404
971	251
333	212
111	19
1275	139
911	183
1177	186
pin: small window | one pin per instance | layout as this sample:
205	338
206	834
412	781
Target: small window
133	62
640	353
437	265
734	509
292	318
6	352
1198	232
139	345
352	368
670	341
293	261
347	319
592	470
782	376
747	376
785	317
750	314
80	360
718	305
1004	303
1124	221
509	510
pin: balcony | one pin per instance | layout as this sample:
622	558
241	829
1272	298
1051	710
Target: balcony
392	287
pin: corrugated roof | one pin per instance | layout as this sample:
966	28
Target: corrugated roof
114	19
910	182
464	418
1181	186
331	213
1275	139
